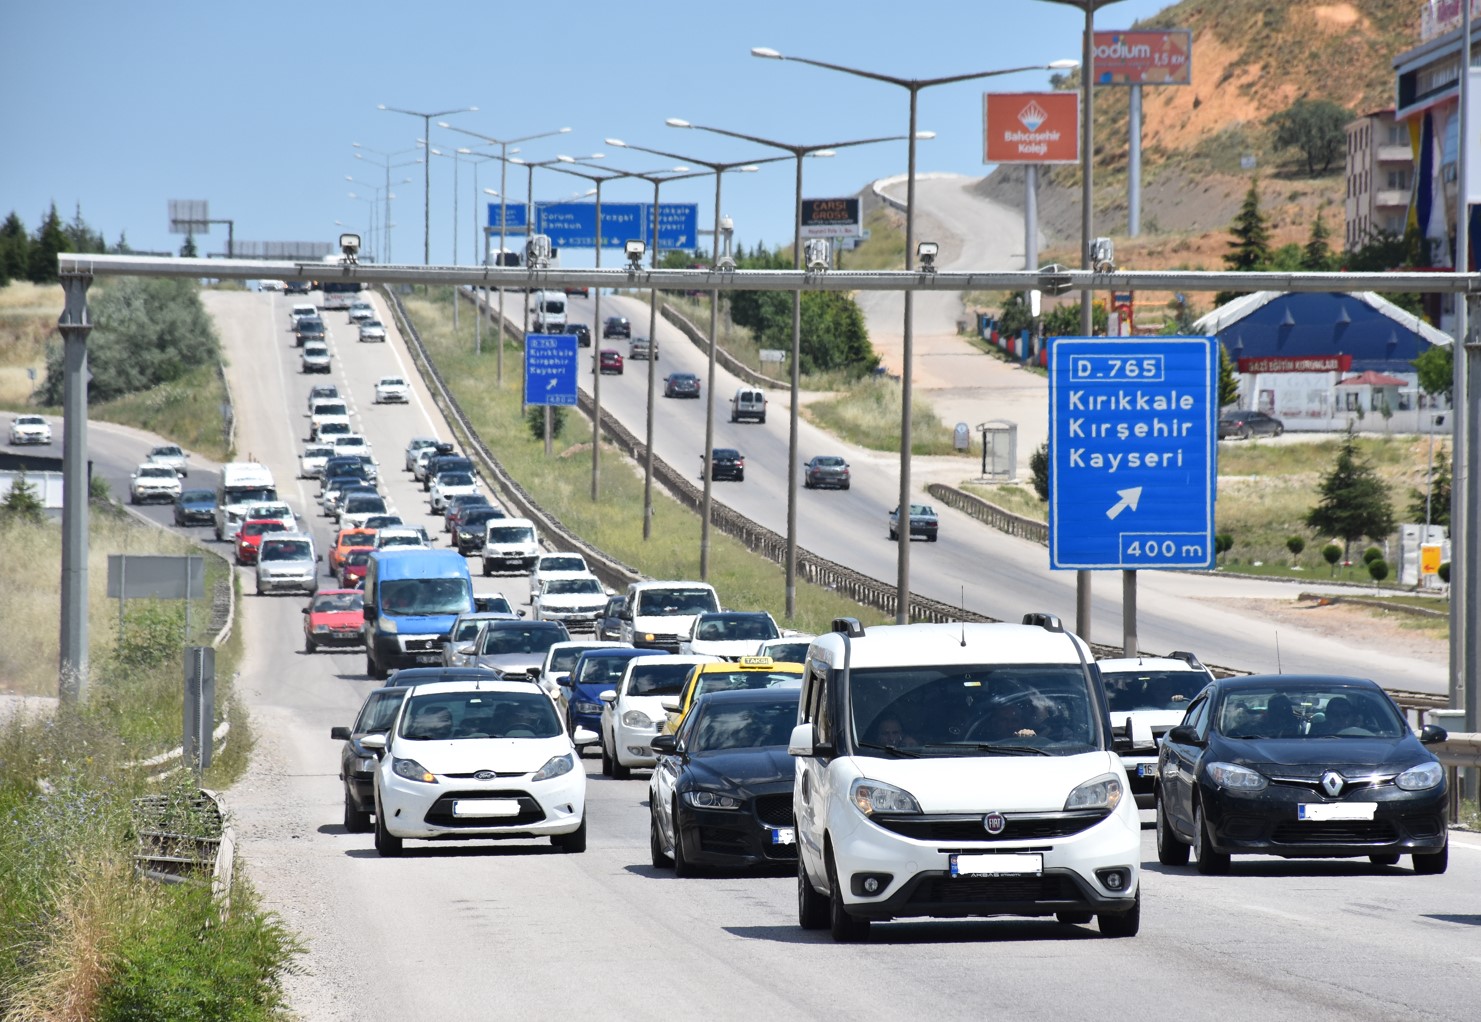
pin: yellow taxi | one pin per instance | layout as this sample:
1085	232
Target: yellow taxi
749	672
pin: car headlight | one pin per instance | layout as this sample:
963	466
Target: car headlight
1103	792
1417	778
386	624
636	718
1235	778
871	797
710	800
556	766
412	771
586	707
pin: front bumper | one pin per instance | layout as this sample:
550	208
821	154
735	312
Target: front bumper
30	438
507	562
760	834
338	637
426	811
634	745
150	496
394	651
1404	822
296	583
1141	778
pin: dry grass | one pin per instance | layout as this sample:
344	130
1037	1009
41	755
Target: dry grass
28	322
868	414
1019	500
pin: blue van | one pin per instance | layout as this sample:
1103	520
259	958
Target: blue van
412	597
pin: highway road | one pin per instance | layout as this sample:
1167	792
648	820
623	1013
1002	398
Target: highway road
518	931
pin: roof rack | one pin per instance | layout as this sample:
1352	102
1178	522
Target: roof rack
848	626
1048	622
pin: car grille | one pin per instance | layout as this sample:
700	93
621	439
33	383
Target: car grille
1024	827
1335	832
441	813
775	810
949	890
433	645
664	642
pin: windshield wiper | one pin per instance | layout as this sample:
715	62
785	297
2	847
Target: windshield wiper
893	750
996	749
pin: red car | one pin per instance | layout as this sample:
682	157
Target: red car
352	570
249	538
334	617
611	361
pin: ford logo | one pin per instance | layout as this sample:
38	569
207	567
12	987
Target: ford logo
994	823
485	775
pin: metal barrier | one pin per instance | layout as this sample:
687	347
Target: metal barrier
1455	753
732	365
1004	521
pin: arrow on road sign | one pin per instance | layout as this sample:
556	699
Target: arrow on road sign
1128	499
551	383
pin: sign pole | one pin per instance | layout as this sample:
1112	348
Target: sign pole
1128	613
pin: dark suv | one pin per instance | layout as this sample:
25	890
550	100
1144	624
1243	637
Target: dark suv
310	328
616	326
727	463
1244	424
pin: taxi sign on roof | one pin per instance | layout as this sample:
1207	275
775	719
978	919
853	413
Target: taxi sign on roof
755	661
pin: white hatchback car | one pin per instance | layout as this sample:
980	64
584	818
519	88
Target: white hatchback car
373	330
392	390
315	358
478	759
449	484
575	602
153	481
29	429
561	564
311	461
633	712
171	455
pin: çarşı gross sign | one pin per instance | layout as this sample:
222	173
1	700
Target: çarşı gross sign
1031	127
1144	58
831	218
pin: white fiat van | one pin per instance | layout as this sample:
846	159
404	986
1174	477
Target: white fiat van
749	403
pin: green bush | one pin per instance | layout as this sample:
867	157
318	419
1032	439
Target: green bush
1378	569
1444	572
1332	553
535	420
1295	545
1038	465
153	632
1372	554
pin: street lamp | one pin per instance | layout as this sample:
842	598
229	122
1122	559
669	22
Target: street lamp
371	203
456	157
426	117
914	87
483	302
744	167
798	152
385	164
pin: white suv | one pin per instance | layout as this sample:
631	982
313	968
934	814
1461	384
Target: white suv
154	481
1149	696
956	770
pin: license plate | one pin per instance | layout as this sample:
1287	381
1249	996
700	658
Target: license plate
1027	864
428	658
784	836
1146	769
1318	811
485	807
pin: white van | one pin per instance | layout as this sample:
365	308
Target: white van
510	544
953	770
658	614
243	483
548	311
748	403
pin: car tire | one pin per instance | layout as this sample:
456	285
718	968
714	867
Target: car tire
1210	862
893	536
574	841
846	929
1170	851
356	821
1246	433
740	477
488	569
931	538
1073	918
258	590
845	486
683	868
387	845
812	907
308	646
1389	859
606	761
1278	431
622	773
1433	863
656	854
1122	924
372	668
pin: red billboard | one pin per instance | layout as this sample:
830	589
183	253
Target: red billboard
1031	127
1296	364
1159	57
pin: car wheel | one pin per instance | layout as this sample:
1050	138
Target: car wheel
682	866
308	645
488	569
387	845
812	907
1210	862
931	538
622	773
1073	918
893	536
259	589
1390	859
846	929
657	855
372	668
1122	924
1246	433
845	486
740	477
1278	431
606	761
356	821
1170	851
574	841
1432	864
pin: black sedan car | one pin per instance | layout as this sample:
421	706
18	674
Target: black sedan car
196	507
1241	425
1300	766
681	385
616	326
726	463
721	794
581	330
825	470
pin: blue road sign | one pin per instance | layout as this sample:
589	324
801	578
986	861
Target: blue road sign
1133	434
516	216
573	224
550	369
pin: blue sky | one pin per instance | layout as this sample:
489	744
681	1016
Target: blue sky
254	107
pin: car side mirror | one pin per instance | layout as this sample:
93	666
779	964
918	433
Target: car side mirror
369	611
585	736
671	705
665	745
803	741
1183	735
305	610
609	696
1432	733
339	734
376	742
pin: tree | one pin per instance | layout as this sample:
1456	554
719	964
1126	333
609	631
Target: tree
1436	370
1332	553
188	250
15	250
1434	506
1383	252
50	241
1228	379
81	237
1038	466
1317	255
1249	250
1315	127
22	503
1354	501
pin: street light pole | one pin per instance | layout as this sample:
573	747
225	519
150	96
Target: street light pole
530	206
914	87
427	167
386	164
798	152
707	504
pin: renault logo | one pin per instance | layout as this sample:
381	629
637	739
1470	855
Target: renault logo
1332	783
485	775
994	823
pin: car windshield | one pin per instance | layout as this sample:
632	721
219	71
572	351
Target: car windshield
511	534
360	503
247	494
731	681
441	716
372	324
975	710
166	452
465	629
572	587
1307	712
382	521
562	660
378	713
393	381
327	603
447	479
333	428
493	604
520	638
730	627
258	528
658	678
196	496
405	596
298	550
399	539
30	420
358	557
792	652
562	564
1152	690
330	408
160	471
762	725
318	452
479	515
601	669
675	602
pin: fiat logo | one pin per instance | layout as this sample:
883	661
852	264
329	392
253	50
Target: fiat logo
994	823
485	775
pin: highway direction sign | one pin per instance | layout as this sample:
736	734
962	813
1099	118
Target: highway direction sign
516	216
1133	434
550	369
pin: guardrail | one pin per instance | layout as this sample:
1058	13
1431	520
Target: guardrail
733	365
1458	751
984	511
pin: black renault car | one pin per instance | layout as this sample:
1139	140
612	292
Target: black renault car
1300	766
721	794
726	463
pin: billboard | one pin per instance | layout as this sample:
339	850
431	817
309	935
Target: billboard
1156	57
1031	127
831	218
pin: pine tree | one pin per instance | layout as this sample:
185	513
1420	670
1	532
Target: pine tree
188	250
51	240
1228	379
22	503
15	249
1354	500
1317	255
1249	250
81	237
